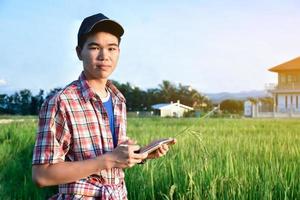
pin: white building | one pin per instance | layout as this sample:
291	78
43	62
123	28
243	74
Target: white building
254	109
248	106
171	109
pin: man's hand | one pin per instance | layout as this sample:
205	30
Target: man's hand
161	151
53	174
123	155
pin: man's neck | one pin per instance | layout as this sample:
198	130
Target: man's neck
97	85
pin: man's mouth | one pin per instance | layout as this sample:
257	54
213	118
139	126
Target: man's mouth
102	66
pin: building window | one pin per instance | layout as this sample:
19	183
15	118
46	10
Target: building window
289	78
282	78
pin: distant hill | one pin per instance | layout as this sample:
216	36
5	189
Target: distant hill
218	97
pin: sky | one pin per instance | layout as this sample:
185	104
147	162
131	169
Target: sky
213	46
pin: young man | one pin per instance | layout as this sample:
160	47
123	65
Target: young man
81	143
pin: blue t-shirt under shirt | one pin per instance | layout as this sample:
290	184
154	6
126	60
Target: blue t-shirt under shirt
108	105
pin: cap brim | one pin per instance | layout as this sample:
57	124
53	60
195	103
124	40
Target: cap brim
108	25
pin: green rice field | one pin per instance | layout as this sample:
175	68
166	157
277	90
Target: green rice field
213	159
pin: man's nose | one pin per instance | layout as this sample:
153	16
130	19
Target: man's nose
103	54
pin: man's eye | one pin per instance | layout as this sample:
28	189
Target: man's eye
94	48
112	49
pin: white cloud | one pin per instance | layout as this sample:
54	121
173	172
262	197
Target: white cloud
2	82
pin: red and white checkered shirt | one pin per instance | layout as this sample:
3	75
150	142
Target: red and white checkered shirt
73	126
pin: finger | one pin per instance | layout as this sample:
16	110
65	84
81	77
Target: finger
162	151
133	147
127	140
123	145
156	154
122	164
159	154
132	161
131	142
173	141
165	147
140	155
126	163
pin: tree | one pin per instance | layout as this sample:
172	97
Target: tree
14	103
153	96
185	94
3	104
25	101
53	92
168	91
36	103
21	102
232	106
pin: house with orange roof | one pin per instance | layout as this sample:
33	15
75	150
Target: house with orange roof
286	93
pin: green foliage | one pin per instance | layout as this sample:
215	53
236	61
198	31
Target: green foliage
186	94
232	106
140	100
16	145
219	159
213	159
190	113
23	102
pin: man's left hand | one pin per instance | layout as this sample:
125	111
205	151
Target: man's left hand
161	151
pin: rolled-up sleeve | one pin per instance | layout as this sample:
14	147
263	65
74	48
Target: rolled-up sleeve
53	135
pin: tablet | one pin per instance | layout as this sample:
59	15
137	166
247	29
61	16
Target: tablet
154	145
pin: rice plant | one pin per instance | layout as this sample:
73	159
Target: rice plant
213	159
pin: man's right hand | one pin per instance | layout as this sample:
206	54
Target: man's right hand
123	155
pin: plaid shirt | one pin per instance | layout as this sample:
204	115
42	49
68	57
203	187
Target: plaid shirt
74	126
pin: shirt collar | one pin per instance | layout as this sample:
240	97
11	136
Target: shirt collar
114	91
86	90
88	93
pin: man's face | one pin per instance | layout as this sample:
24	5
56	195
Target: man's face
99	55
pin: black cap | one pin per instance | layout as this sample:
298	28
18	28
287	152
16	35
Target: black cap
99	22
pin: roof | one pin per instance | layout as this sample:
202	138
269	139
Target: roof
287	66
160	105
166	105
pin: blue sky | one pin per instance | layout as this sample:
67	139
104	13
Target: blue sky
214	46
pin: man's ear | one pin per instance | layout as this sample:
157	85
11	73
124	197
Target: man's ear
78	51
